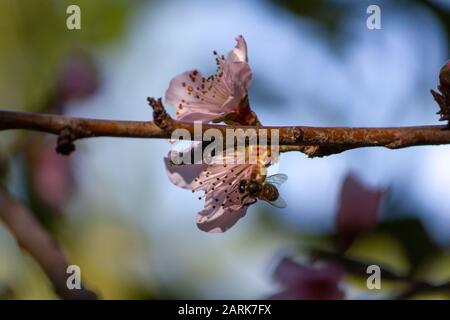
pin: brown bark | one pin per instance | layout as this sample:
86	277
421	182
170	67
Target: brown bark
315	141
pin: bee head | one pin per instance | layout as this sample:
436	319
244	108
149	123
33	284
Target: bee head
254	187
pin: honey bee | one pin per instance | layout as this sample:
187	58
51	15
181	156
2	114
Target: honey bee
264	189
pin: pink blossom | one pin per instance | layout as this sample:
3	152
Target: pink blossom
301	282
224	204
51	175
78	77
209	98
358	210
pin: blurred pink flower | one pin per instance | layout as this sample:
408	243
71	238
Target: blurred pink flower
205	99
302	282
77	78
224	205
358	210
51	176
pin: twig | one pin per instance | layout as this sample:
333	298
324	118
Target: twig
314	151
326	140
358	267
422	286
33	238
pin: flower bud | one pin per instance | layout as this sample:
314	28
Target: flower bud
442	96
444	76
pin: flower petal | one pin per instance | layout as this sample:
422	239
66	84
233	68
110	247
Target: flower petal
224	205
183	175
308	282
189	92
219	220
191	116
238	78
239	53
288	271
358	210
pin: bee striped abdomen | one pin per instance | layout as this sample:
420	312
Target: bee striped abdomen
269	192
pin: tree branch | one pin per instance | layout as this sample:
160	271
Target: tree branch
314	141
33	238
358	267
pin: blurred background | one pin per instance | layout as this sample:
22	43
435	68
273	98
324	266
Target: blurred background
111	207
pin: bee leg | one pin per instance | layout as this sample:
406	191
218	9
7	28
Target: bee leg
243	198
247	204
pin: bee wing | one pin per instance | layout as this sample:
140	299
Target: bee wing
279	203
276	179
